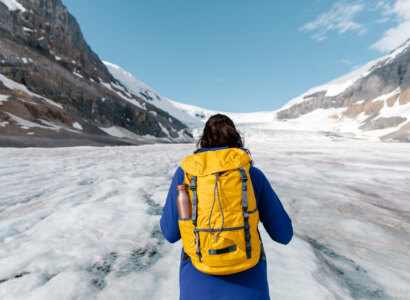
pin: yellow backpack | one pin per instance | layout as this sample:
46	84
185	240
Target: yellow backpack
222	237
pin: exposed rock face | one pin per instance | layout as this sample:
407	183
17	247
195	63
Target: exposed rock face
382	123
404	97
368	108
44	50
401	135
47	26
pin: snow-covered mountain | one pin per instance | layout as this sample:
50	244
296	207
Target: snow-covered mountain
372	102
190	115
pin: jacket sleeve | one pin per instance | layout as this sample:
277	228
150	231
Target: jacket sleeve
271	212
169	219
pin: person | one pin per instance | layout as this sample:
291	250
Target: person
220	133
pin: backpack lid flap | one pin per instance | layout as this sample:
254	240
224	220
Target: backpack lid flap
209	162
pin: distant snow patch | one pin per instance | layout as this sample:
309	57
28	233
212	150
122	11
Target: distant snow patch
26	29
18	86
77	74
24	60
53	103
25	124
13	5
106	84
130	100
3	98
387	96
77	126
119	132
121	89
164	129
57	57
54	126
396	110
4	123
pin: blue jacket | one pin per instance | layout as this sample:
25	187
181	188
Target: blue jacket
249	284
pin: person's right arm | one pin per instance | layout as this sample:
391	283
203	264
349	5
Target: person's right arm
271	212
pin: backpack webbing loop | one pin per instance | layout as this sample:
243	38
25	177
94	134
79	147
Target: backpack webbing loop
244	179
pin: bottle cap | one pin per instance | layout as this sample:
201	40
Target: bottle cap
181	187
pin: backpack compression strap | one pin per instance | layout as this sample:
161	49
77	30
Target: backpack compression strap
192	187
244	179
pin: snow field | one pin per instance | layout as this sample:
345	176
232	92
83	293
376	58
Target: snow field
83	222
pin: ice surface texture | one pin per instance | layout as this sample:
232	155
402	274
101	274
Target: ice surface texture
82	223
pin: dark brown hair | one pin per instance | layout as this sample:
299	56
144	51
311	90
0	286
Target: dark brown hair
220	131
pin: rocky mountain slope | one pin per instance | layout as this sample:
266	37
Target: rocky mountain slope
193	117
55	91
371	101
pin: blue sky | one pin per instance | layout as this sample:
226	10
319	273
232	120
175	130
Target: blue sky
240	56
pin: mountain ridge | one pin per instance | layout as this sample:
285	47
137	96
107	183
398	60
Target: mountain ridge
375	97
44	59
380	117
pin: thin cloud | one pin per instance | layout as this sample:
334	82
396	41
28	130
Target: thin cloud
385	5
339	18
382	20
356	67
345	62
397	35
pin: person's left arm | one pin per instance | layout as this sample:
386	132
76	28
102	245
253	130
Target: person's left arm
169	219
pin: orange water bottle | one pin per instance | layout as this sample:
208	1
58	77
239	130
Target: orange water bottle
183	202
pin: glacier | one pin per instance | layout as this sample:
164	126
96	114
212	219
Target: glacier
83	222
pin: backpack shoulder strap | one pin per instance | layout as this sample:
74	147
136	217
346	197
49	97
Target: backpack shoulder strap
244	179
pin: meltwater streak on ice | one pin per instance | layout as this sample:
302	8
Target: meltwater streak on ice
83	222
